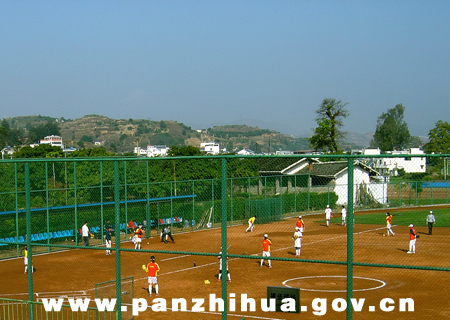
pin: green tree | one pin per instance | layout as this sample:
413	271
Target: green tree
439	138
47	129
414	142
392	131
10	136
329	119
87	139
90	152
41	151
3	137
185	151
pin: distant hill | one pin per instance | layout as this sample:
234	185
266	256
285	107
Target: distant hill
355	140
123	135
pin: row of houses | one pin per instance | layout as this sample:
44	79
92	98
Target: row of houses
386	166
390	166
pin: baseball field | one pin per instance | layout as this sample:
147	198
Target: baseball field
423	294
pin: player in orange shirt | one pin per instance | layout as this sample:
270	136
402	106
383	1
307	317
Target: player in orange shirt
266	250
300	224
153	269
138	233
389	223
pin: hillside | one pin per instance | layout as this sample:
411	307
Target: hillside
122	135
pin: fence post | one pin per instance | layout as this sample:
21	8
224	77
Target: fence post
148	216
193	204
29	248
101	203
431	193
309	192
117	223
295	193
231	201
125	192
47	218
213	202
75	199
17	203
416	195
350	239
224	237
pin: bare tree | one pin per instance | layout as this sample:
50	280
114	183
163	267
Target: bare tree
329	119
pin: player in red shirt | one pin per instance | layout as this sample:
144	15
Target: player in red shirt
266	250
153	269
412	239
138	233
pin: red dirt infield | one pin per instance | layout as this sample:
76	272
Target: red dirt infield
74	273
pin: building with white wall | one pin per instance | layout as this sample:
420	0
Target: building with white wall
152	151
391	166
245	152
54	141
210	147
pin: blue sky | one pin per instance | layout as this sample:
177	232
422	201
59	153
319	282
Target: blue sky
205	63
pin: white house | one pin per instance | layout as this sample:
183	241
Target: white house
409	164
210	147
54	141
329	176
283	152
152	151
390	166
245	152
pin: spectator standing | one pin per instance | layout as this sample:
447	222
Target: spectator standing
85	233
431	220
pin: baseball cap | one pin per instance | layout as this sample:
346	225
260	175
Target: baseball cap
299	217
266	235
411	226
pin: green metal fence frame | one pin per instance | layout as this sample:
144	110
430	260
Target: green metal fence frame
224	223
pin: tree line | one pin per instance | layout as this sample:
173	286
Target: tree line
391	133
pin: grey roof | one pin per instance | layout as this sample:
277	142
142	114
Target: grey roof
276	165
325	169
316	168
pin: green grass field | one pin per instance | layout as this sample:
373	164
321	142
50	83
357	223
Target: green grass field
405	218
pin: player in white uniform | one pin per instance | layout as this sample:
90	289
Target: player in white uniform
25	260
297	241
344	216
220	268
328	214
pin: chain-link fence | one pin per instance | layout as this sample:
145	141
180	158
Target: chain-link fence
207	202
